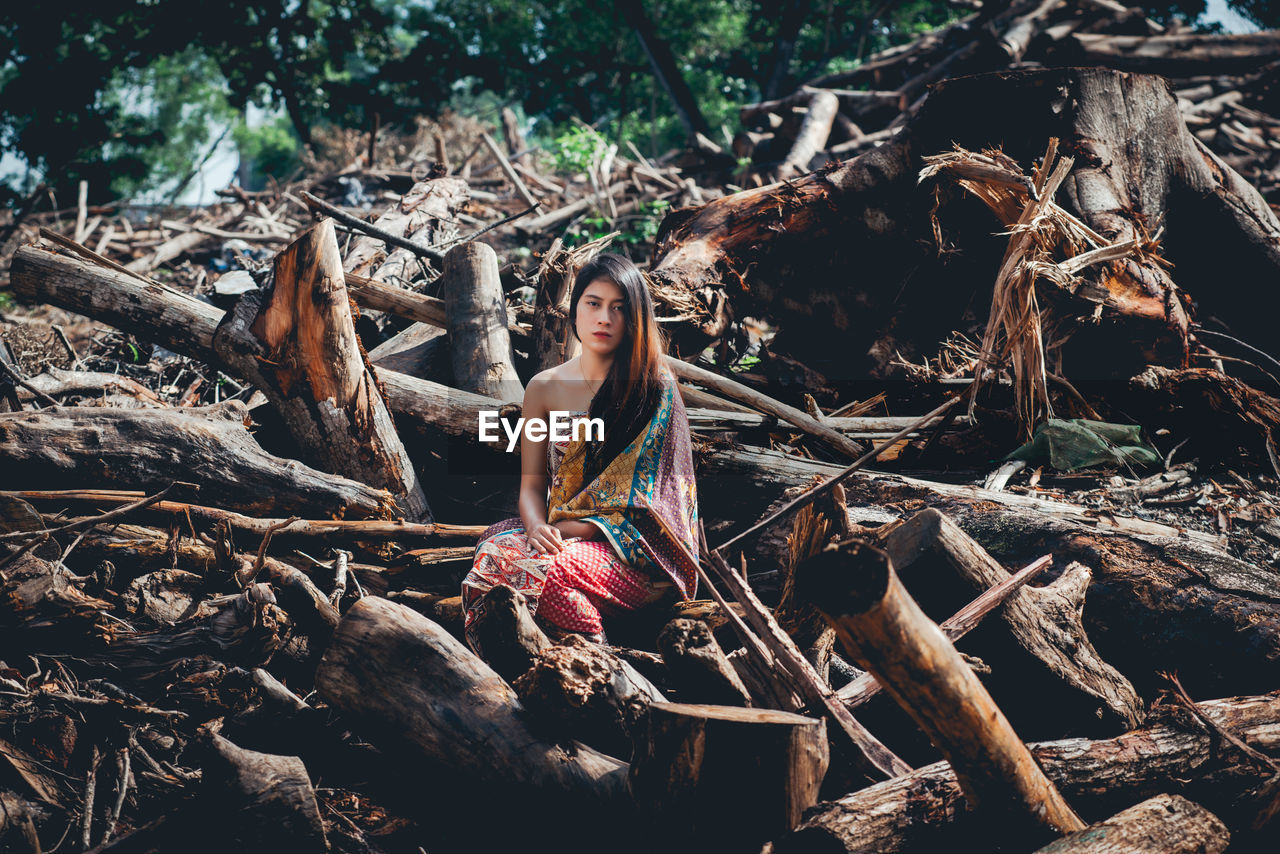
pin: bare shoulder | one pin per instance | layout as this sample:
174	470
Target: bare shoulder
553	386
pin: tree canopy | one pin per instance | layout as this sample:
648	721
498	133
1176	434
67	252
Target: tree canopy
133	95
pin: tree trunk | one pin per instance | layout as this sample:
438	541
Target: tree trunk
477	312
1161	599
698	666
925	810
884	631
262	803
297	343
726	777
1165	824
151	448
785	250
186	325
666	69
813	134
580	690
419	691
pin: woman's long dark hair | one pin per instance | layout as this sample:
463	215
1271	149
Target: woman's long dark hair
632	390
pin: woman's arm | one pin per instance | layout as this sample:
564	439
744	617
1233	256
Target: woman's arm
532	504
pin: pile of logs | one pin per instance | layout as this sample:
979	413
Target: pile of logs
229	565
1224	83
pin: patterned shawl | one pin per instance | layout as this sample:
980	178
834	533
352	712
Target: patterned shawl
645	501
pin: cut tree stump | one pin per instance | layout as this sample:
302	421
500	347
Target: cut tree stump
65	447
1165	824
296	342
726	777
476	311
884	631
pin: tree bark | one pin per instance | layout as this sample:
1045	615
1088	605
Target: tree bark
506	637
579	690
260	802
151	448
884	631
418	690
1165	824
297	343
698	666
925	810
726	776
477	312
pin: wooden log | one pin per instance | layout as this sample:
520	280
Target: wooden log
1046	621
921	810
504	634
553	339
186	325
152	448
417	689
1165	824
729	777
579	690
417	218
1177	55
1161	598
698	667
260	802
813	134
729	388
883	630
296	342
476	312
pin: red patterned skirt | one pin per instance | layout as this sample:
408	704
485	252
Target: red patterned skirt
569	590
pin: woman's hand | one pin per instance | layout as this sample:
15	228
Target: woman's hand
545	539
576	528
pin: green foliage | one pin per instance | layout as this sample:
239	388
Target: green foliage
130	95
635	231
575	149
273	147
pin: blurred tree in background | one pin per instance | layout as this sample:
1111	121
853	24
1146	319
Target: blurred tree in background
133	95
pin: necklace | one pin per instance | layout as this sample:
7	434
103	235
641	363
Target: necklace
587	381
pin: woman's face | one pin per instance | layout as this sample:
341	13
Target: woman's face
600	322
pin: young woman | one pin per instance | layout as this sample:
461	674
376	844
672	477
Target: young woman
617	529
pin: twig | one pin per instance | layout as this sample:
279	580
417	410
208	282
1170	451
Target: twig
262	547
109	516
339	576
16	377
505	166
803	678
488	228
813	493
90	789
122	763
44	535
370	229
